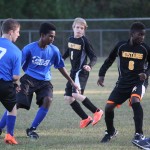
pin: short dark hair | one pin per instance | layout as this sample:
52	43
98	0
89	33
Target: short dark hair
9	24
46	27
137	26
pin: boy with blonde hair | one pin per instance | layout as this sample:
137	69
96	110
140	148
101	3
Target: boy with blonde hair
79	49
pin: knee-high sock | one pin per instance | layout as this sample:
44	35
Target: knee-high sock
3	120
109	116
77	108
138	117
42	112
10	122
88	104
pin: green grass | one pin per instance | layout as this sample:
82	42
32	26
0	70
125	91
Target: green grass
60	130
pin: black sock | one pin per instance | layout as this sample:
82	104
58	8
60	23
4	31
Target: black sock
77	108
87	103
109	116
138	117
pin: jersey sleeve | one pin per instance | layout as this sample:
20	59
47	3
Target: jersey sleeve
59	62
90	53
109	61
148	63
25	57
17	63
66	54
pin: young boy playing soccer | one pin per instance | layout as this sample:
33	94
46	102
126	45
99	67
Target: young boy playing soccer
133	57
10	66
78	50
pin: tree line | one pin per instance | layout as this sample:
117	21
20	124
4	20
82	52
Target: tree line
66	9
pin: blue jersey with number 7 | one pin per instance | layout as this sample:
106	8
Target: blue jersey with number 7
10	60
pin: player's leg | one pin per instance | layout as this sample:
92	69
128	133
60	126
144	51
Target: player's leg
44	100
10	122
9	102
115	99
109	117
136	96
76	107
81	78
3	122
97	113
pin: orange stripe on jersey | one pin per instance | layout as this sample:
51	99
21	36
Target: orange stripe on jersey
111	102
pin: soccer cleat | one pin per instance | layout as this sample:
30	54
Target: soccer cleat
108	136
10	139
137	137
143	144
32	134
97	117
84	123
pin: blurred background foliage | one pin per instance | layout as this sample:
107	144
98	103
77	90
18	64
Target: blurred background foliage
56	9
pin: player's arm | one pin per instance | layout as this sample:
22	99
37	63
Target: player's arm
107	63
148	65
64	72
66	54
25	58
90	53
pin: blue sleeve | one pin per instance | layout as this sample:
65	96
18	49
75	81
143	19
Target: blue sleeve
58	62
17	64
25	57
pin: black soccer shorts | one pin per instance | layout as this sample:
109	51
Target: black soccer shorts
7	94
29	86
80	78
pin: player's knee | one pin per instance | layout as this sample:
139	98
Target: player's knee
69	99
109	107
78	96
134	100
47	102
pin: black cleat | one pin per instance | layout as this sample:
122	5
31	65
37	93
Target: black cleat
108	136
32	134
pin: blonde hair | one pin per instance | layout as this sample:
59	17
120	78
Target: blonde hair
81	21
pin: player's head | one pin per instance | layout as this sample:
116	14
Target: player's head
11	27
79	26
47	33
137	32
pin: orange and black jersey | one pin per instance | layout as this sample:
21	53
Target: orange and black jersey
79	49
132	60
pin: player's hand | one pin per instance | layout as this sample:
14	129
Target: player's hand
17	87
100	81
76	87
87	68
142	76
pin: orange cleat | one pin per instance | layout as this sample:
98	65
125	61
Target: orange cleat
97	117
84	123
10	139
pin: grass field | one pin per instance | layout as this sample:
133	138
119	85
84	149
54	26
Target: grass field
60	130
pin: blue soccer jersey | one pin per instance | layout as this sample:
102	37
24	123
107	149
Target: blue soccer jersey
37	62
10	60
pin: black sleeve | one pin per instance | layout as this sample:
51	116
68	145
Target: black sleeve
66	54
90	53
148	63
109	61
